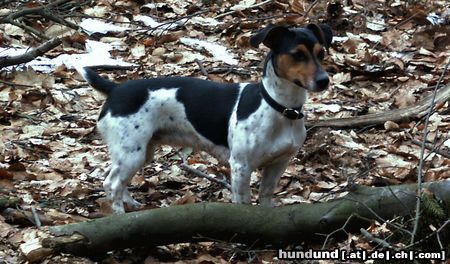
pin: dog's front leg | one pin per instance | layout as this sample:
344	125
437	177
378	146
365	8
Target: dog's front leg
114	189
240	181
270	177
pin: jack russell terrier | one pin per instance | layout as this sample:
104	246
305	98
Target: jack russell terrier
248	125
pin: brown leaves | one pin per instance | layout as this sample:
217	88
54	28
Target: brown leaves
396	40
297	6
404	97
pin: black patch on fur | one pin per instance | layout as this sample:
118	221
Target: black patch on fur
249	101
126	98
208	107
208	104
136	126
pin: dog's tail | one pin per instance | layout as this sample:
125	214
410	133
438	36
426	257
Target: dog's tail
96	81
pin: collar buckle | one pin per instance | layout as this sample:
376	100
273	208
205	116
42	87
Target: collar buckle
291	113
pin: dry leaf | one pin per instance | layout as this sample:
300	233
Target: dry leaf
389	126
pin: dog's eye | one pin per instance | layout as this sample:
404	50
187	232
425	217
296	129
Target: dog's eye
321	54
299	56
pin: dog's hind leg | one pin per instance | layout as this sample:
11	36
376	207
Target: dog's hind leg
270	176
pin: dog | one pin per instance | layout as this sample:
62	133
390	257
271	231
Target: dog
249	125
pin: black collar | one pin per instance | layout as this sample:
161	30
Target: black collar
291	113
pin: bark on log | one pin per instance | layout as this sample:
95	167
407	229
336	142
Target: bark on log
236	223
6	202
398	115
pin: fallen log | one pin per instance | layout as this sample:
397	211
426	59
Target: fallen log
253	225
6	202
406	114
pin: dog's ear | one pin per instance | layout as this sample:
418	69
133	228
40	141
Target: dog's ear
272	36
323	33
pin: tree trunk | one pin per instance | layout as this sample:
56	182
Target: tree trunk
237	223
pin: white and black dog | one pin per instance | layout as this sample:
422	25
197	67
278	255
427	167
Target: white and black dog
249	125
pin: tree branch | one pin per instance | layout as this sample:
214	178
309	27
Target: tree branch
48	11
29	11
189	169
249	7
30	55
416	111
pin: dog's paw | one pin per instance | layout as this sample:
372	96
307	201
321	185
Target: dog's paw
118	208
133	205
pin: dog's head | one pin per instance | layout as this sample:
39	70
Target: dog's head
297	53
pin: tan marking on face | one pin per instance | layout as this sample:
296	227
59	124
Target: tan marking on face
301	48
317	49
290	69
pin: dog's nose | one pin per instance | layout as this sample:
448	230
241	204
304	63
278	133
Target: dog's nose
322	82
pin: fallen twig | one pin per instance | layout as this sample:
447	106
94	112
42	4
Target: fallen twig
188	168
58	19
432	148
46	11
422	152
166	25
416	111
202	68
436	232
379	241
30	55
311	6
228	70
112	67
249	7
29	29
36	220
29	11
342	228
15	84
